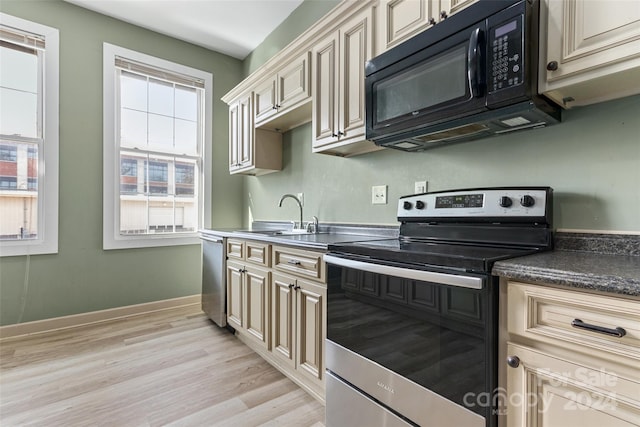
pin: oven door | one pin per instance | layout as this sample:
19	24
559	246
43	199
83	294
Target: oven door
420	346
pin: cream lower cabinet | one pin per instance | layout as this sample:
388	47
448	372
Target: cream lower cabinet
251	151
338	116
248	301
248	287
297	323
572	359
277	302
590	50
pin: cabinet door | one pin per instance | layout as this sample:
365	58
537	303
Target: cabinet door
257	303
356	47
311	318
294	84
589	42
265	100
234	136
545	391
235	295
402	19
283	317
245	131
325	114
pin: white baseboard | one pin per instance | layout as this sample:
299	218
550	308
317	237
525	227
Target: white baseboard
47	325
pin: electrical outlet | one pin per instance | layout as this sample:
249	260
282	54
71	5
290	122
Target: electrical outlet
301	198
379	195
420	187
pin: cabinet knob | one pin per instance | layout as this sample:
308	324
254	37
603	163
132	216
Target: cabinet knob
291	285
334	135
513	361
297	287
275	107
443	14
432	21
340	133
552	66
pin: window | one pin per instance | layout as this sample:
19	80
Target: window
156	120
28	137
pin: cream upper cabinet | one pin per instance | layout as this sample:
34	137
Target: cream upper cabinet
403	19
282	101
400	20
590	50
338	78
570	358
251	151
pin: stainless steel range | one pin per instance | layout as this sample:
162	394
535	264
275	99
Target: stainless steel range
412	323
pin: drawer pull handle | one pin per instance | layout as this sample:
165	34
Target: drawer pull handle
617	332
294	262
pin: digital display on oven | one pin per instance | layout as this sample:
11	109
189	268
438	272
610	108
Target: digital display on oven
461	201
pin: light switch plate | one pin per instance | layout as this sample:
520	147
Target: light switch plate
379	195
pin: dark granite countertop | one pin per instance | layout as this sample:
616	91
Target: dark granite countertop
603	263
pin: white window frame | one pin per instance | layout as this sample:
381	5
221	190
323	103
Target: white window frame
47	240
112	239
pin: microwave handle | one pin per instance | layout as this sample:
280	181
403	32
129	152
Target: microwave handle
473	60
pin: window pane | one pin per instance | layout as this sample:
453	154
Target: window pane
160	97
133	91
18	70
18	113
185	179
133	128
160	131
18	191
186	136
186	103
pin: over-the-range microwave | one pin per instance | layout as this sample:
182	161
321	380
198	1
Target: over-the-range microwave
470	76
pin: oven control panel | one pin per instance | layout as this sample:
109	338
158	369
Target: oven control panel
491	203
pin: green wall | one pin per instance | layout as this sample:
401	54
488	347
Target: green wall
592	160
82	277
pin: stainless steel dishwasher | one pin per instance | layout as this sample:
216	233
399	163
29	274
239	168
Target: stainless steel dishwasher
213	279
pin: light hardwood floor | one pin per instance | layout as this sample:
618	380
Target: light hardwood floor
172	367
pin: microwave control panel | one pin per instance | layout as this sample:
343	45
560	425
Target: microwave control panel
506	55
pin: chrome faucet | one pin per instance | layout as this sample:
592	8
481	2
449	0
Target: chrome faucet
299	205
312	226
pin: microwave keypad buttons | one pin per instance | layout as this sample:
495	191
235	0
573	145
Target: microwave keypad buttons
506	67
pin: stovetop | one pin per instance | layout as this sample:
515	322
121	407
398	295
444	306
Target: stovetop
465	257
464	230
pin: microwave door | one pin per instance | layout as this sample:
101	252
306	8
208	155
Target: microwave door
431	85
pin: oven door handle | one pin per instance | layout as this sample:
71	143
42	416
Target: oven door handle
407	273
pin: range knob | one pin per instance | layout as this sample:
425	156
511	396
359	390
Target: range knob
527	201
505	201
419	204
407	205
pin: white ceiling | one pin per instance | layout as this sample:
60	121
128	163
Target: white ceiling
233	27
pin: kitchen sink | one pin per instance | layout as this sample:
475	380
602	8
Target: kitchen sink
277	232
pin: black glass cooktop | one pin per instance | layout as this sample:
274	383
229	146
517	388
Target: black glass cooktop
468	257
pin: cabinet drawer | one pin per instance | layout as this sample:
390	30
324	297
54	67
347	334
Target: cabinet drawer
302	263
235	248
565	318
258	253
